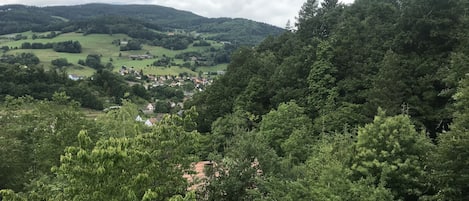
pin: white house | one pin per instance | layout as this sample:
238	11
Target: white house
139	118
150	107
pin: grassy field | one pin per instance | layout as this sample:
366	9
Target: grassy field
101	44
219	67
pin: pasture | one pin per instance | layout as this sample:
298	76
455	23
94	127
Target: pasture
101	44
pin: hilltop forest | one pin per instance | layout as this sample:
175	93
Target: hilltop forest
138	21
367	101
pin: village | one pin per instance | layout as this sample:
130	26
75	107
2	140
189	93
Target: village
185	82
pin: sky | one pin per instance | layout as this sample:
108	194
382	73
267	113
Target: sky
275	12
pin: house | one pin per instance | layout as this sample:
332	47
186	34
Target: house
139	118
123	70
74	77
150	107
172	104
198	176
197	179
140	57
124	43
148	123
151	122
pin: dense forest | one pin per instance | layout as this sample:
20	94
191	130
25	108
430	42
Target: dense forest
138	21
367	101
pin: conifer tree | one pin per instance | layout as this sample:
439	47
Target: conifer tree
452	155
391	151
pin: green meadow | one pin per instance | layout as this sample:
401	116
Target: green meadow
101	44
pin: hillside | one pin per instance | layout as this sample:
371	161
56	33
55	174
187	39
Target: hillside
105	45
366	101
19	18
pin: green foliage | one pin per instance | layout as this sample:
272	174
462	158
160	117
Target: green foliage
452	157
132	45
287	131
40	84
23	58
389	148
37	133
328	176
391	87
162	107
322	82
60	62
22	18
237	175
68	46
202	43
151	163
94	61
174	42
260	119
121	122
99	156
140	91
225	128
166	92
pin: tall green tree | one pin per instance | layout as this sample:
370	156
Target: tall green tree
322	81
287	131
152	164
391	151
452	155
328	175
43	129
391	88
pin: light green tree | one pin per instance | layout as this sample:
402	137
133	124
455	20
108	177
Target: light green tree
148	166
287	131
393	152
329	177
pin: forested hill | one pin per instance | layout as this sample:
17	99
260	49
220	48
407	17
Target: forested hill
20	18
363	102
345	61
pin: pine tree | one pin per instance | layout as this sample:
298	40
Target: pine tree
391	151
452	155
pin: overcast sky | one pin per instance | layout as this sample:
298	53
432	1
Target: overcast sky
276	12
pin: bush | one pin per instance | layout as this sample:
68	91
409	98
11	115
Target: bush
68	46
60	62
94	61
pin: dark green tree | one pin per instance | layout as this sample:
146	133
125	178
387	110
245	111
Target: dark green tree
94	61
60	62
452	156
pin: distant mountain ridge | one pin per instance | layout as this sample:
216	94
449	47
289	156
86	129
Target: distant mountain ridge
20	18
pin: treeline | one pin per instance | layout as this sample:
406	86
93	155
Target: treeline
66	46
34	81
368	101
21	76
138	21
98	151
342	65
17	19
344	62
23	58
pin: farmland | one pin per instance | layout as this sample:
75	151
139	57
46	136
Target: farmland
101	44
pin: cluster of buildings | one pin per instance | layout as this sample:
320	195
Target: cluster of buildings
167	80
140	57
177	81
150	121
